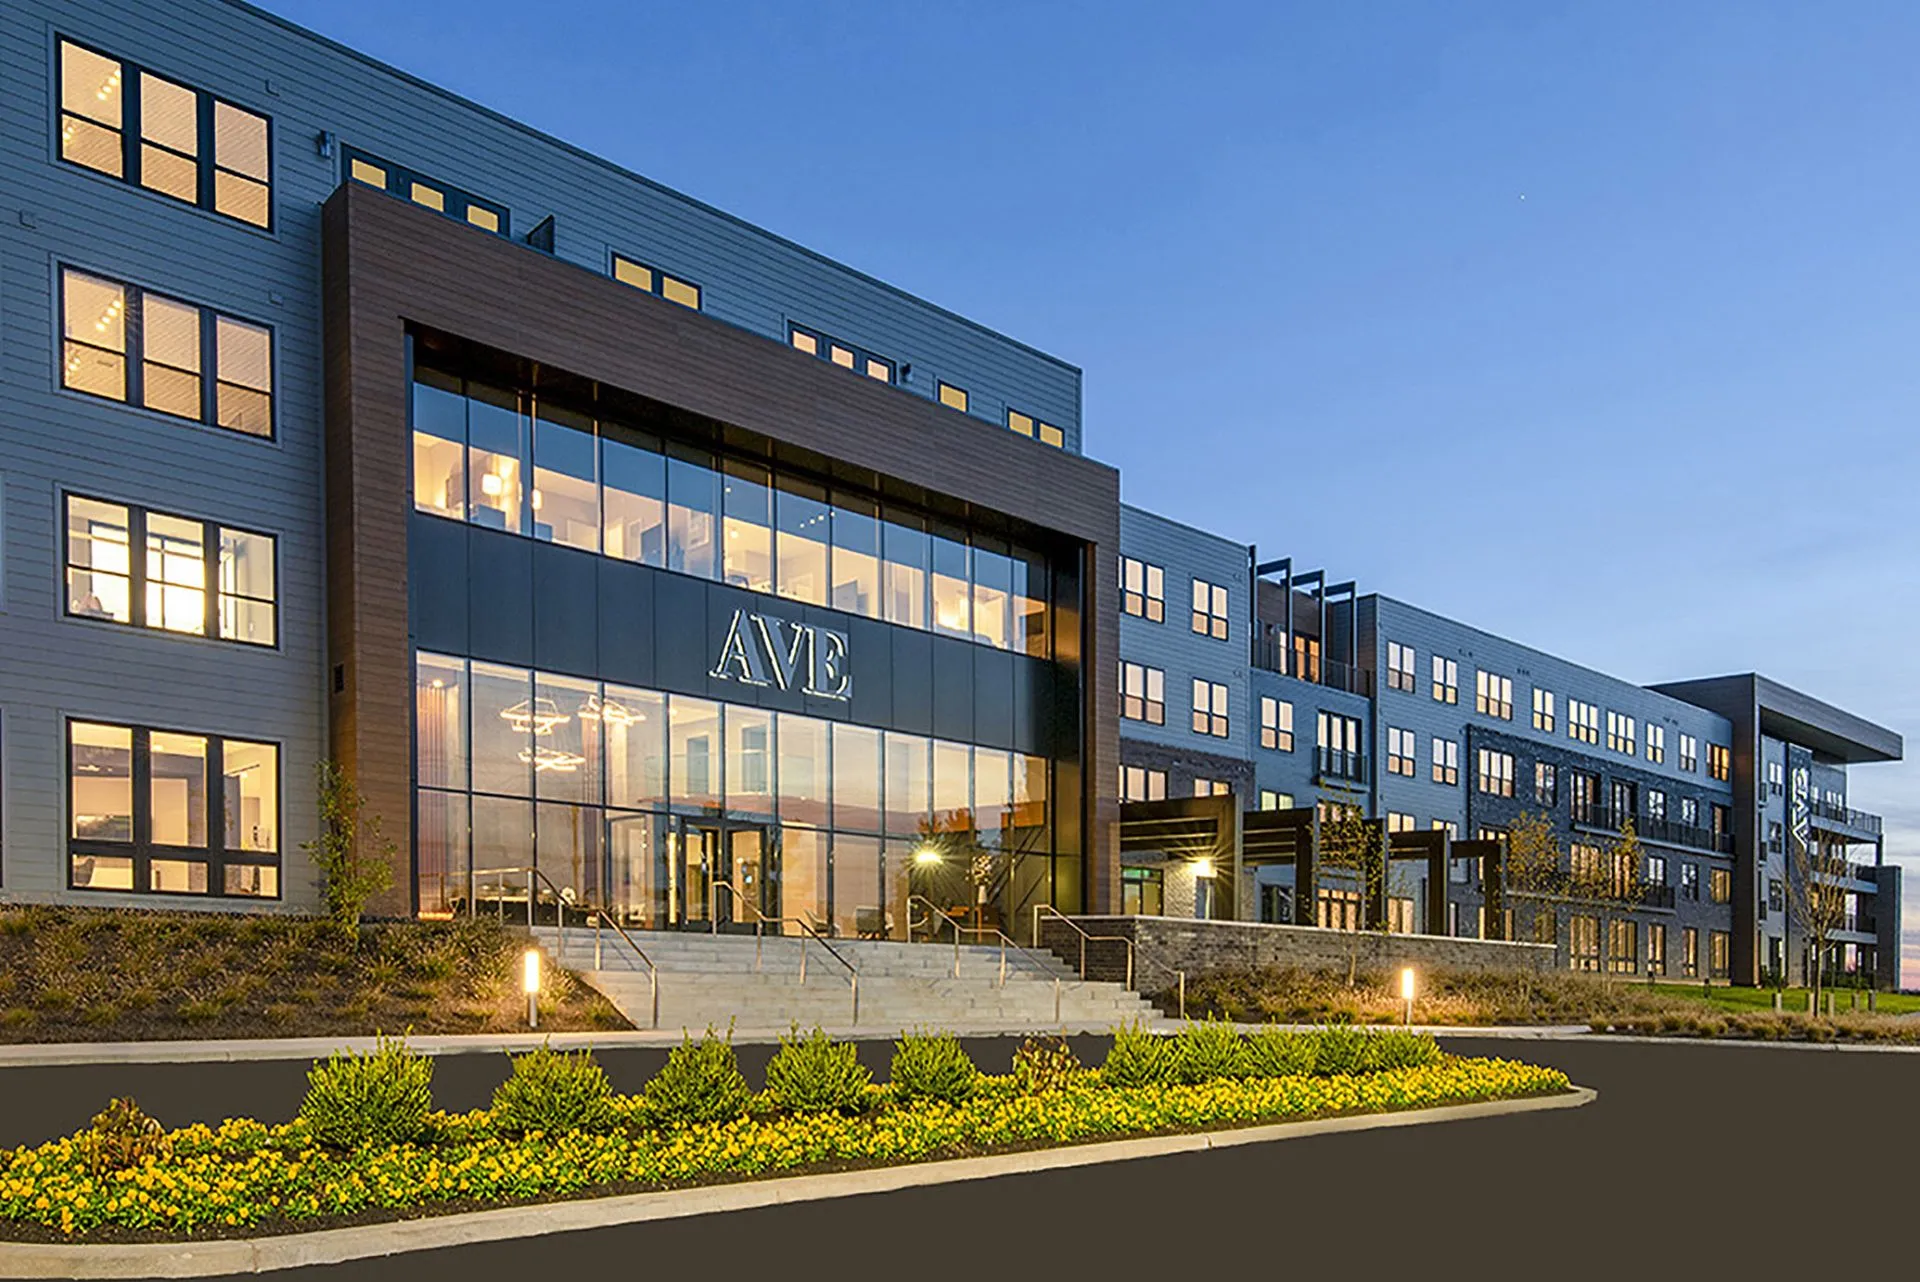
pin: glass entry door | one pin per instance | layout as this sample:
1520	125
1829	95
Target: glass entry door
717	871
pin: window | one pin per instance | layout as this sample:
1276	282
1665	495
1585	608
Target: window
1210	609
1657	948
1689	952
181	359
845	355
1776	895
1446	680
1495	772
1719	762
1137	783
1583	721
1626	801
1722	824
1585	787
1338	909
1398	822
1719	885
1142	892
1776	836
1400	670
1143	590
194	577
1143	693
1690	812
160	811
1690	881
1588	867
1212	787
1656	870
1656	805
1776	777
428	193
1623	947
1339	740
1546	785
652	280
1400	751
1276	724
1657	744
1719	954
188	145
1543	710
1493	695
1446	761
954	398
1209	708
1620	734
1271	800
1689	753
1583	942
1041	431
1447	826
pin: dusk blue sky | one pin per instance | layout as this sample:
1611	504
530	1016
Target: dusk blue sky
1593	325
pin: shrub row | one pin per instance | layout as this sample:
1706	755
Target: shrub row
1209	1050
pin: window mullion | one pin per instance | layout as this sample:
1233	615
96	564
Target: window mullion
210	576
137	566
209	373
130	122
216	815
133	325
203	162
142	809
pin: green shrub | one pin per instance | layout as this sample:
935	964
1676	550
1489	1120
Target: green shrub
121	1136
1277	1052
1208	1051
1139	1058
1398	1048
931	1066
381	1097
1044	1064
815	1074
1342	1048
554	1092
700	1082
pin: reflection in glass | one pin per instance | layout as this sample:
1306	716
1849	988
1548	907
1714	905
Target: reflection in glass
856	557
803	515
633	725
856	778
637	869
567	839
952	786
504	721
177	790
496	435
502	838
749	761
992	794
803	875
693	747
102	872
992	594
748	506
859	905
907	553
440	850
1029	604
693	506
1029	813
804	769
251	795
440	725
635	480
909	784
566	489
566	751
951	615
439	444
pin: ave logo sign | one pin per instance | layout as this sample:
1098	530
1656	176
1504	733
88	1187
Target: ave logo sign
761	650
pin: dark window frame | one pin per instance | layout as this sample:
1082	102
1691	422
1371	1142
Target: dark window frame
397	174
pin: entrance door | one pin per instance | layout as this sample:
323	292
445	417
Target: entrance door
717	871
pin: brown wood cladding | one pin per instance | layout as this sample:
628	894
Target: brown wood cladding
388	265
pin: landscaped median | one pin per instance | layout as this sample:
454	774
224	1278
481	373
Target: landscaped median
367	1146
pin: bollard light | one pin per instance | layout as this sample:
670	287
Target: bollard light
530	982
1406	995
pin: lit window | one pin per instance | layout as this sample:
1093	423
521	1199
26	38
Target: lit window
1276	724
1583	721
1212	787
1620	734
1446	761
1446	680
1143	590
225	167
1493	695
1137	783
126	344
426	191
1273	800
1689	753
1339	746
1495	772
1400	667
1543	710
167	586
1398	822
1210	609
654	281
1657	744
816	344
1143	693
1719	761
1546	785
1400	751
954	398
1040	430
1209	708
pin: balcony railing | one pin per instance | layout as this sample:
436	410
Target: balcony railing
1847	816
1336	763
1648	828
1270	654
1563	884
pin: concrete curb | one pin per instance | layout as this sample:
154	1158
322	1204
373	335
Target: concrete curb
337	1246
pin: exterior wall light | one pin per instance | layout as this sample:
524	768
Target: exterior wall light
1406	995
927	855
1203	867
530	982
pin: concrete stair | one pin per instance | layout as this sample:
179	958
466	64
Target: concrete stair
713	980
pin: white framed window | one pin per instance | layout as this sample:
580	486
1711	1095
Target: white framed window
1400	667
1401	752
1543	710
1656	744
1493	695
1446	680
1689	752
1446	761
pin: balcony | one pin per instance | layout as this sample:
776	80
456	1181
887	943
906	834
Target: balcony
1270	654
1845	816
1337	764
1664	831
1652	896
1563	884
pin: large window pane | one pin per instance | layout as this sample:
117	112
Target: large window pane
1030	612
803	515
856	778
177	790
907	554
502	838
693	746
440	721
504	720
95	327
633	726
693	508
566	739
244	356
252	796
909	785
859	905
641	878
240	156
992	595
496	436
749	761
566	491
803	875
952	786
634	479
567	843
952	615
440	846
99	583
247	609
169	138
170	356
92	97
748	505
1028	820
100	770
856	557
439	444
992	793
176	574
805	769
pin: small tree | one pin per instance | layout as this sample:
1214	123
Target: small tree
1610	879
1354	847
353	855
1814	904
1533	875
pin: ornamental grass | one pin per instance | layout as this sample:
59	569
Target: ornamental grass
250	1177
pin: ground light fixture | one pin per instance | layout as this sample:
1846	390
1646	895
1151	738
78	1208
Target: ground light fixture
530	982
1406	995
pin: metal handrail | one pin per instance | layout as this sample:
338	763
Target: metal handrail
562	899
1179	976
761	921
1005	942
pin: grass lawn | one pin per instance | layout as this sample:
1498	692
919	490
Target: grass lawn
92	974
1792	999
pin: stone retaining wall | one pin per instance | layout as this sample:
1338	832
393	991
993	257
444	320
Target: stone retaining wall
1163	945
